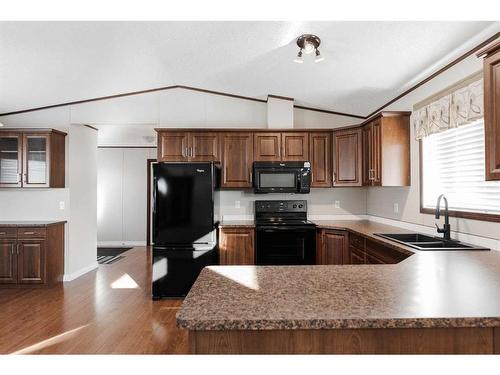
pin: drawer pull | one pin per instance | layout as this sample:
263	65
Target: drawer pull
3	233
29	232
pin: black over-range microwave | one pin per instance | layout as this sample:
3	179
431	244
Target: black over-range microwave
282	177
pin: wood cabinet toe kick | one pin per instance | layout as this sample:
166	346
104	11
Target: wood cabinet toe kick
31	256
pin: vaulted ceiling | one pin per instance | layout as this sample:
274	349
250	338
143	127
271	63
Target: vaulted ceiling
366	63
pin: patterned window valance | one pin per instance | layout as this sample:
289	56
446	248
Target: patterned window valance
457	105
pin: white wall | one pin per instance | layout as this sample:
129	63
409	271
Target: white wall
82	182
238	204
380	201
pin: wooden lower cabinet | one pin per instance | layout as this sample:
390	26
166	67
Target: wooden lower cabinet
8	266
237	246
33	256
333	247
31	261
357	256
366	251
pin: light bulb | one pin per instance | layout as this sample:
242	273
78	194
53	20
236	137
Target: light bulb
308	47
318	57
299	59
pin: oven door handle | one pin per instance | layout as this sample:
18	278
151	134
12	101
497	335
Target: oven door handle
284	228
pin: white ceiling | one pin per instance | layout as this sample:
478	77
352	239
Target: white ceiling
366	63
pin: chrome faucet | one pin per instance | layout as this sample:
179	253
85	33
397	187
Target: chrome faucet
446	228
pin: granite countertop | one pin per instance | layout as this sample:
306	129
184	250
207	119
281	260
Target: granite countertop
428	289
29	223
237	224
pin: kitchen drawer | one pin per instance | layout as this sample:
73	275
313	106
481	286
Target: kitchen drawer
35	232
357	256
384	253
356	241
8	232
370	259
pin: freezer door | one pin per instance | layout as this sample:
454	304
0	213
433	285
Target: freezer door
175	270
183	203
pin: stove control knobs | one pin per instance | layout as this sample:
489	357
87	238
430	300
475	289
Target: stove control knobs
301	205
294	206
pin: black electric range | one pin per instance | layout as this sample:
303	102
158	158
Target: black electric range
284	236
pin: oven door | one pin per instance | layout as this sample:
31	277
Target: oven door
276	180
285	245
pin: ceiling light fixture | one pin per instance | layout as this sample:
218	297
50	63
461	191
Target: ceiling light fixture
308	43
299	58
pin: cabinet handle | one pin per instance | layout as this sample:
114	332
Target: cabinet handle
12	249
17	249
29	232
191	152
3	233
185	152
334	177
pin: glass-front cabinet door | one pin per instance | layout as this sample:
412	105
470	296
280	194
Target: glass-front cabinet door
10	159
36	160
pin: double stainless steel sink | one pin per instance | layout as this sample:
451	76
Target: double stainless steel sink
424	242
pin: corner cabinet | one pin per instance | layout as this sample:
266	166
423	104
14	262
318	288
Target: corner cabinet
347	157
386	150
491	71
31	158
237	246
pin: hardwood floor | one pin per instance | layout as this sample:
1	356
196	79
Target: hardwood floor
105	311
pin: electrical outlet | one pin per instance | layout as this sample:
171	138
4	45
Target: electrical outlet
396	208
61	205
237	204
337	204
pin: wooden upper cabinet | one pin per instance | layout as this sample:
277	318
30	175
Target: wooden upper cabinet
320	158
32	158
367	154
377	153
11	150
491	71
386	150
267	146
347	157
204	146
237	159
188	146
173	146
334	247
237	246
36	160
294	146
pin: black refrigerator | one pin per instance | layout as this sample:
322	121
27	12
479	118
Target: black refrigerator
184	225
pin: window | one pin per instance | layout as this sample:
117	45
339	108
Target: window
453	164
